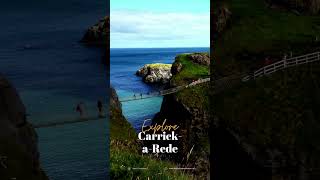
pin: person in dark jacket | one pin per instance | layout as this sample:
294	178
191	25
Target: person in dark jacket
100	108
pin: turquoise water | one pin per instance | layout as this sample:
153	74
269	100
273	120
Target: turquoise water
124	64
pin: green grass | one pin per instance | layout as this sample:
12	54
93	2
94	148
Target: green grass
190	71
122	163
198	96
159	65
257	29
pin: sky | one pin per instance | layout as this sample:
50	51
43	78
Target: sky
159	23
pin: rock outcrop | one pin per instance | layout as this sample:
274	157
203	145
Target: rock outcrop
19	155
155	73
99	33
222	19
200	58
176	68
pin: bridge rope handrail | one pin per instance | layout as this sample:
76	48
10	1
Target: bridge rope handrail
164	92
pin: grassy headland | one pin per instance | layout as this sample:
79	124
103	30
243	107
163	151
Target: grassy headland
257	31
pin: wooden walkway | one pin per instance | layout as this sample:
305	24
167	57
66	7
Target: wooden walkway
163	92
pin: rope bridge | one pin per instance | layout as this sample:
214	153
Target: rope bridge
59	123
164	92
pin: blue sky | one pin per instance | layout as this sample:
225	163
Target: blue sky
159	23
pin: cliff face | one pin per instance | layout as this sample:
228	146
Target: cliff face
19	155
122	134
276	121
98	34
189	110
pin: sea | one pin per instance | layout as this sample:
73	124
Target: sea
41	55
124	62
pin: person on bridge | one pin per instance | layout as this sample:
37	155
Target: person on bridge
141	95
80	109
100	108
134	95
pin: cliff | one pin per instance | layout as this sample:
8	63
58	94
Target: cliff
189	109
266	128
98	34
125	151
19	155
276	121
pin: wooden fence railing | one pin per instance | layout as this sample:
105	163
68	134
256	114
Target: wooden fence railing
285	63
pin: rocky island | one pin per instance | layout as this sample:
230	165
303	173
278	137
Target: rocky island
19	155
155	73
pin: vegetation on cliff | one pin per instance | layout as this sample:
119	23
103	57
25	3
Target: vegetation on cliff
191	71
277	115
258	31
125	151
189	109
273	118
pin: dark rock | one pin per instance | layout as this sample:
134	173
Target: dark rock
223	18
176	68
99	33
18	138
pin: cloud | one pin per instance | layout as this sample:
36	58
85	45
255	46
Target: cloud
145	29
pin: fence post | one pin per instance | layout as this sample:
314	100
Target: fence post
284	64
